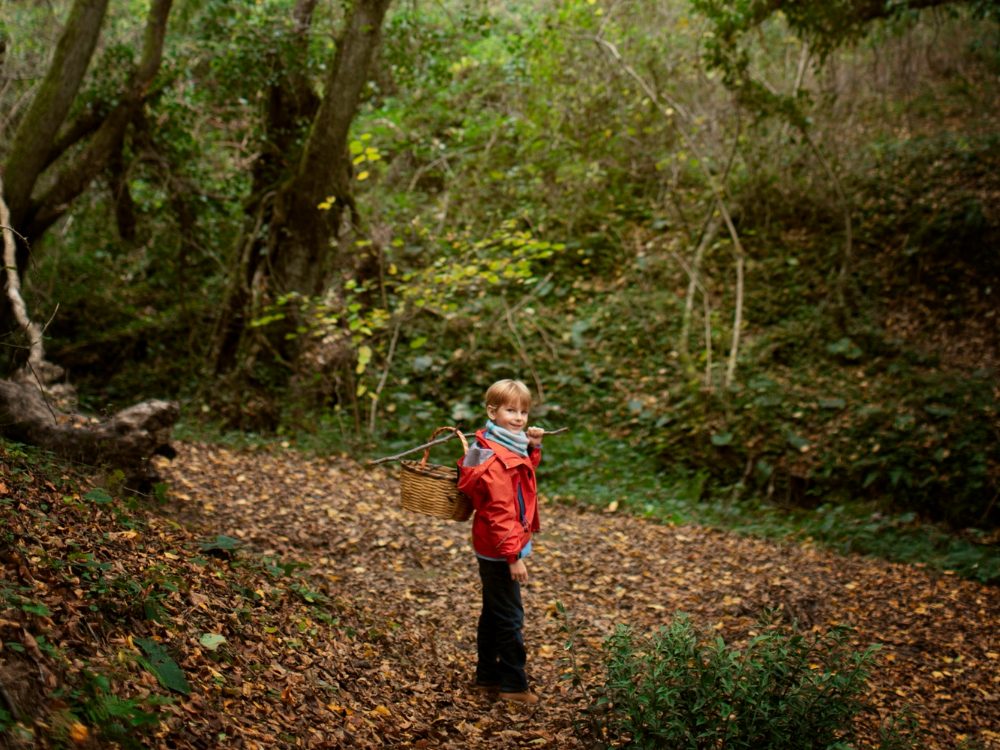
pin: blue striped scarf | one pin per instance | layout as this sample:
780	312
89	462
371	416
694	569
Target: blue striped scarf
516	441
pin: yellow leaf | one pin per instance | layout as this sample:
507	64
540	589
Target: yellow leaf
363	175
79	733
364	357
380	711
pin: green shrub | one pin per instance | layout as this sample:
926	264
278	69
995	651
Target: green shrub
910	438
782	691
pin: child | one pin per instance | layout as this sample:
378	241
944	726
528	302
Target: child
498	475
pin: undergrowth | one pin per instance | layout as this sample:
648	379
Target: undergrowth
612	475
97	592
783	690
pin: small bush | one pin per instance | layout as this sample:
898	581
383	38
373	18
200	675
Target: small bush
782	691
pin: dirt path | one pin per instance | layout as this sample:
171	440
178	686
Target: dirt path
410	582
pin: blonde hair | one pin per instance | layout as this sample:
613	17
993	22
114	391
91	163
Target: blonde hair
508	391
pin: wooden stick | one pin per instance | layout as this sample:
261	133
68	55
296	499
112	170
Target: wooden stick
444	439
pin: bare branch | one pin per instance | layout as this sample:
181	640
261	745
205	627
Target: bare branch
669	109
385	375
36	354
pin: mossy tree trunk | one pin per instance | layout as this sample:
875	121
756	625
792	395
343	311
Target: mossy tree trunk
31	144
301	250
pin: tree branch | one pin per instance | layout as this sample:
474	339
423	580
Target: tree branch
73	180
33	139
716	188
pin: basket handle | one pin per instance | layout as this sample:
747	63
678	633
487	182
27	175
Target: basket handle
438	431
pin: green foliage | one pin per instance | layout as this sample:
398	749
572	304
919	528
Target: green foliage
782	691
124	721
930	447
571	474
926	204
158	661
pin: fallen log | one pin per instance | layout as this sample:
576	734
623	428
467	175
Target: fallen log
127	440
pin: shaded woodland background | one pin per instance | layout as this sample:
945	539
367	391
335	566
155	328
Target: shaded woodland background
746	251
760	248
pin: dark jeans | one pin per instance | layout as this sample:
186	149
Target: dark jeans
499	640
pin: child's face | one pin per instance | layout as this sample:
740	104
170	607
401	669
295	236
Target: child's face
513	417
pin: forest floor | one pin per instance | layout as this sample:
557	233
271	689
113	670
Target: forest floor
343	621
409	583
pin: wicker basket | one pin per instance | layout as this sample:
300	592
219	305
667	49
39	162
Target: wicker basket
433	489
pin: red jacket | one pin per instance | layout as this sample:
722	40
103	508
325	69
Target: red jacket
490	475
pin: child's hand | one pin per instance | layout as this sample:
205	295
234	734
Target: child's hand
535	435
519	571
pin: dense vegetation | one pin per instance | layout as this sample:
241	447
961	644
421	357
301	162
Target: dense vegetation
753	256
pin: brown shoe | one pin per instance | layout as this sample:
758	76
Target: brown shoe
526	697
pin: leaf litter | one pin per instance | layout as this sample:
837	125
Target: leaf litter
305	608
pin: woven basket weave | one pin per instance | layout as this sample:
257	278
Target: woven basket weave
432	489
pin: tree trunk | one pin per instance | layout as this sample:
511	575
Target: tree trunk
300	243
291	107
37	143
107	140
32	142
305	263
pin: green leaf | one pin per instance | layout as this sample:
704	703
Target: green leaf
98	495
212	641
221	542
163	667
832	403
797	442
266	320
845	348
364	357
721	439
939	411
